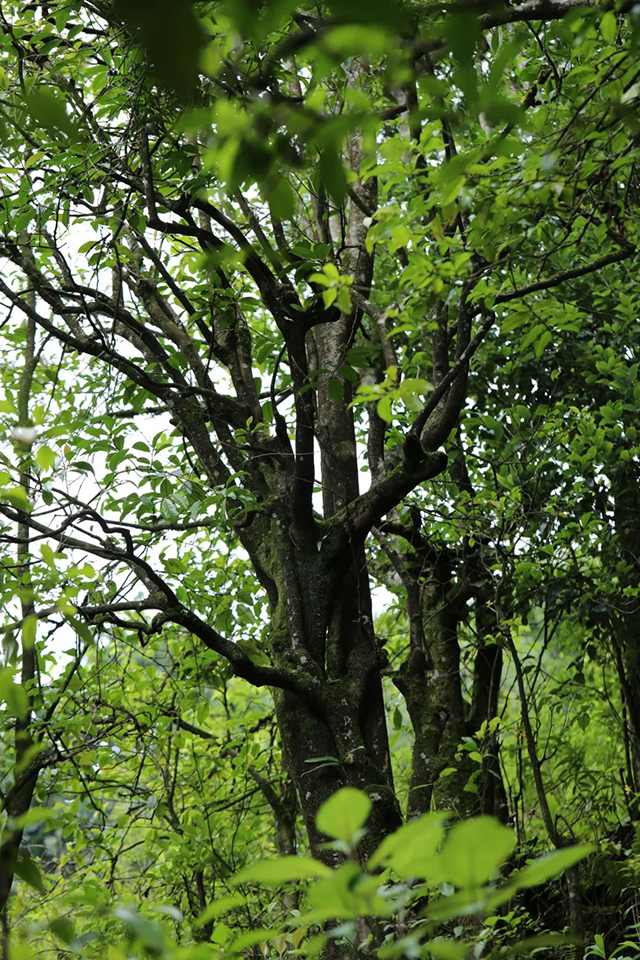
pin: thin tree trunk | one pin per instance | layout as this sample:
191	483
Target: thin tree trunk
20	799
574	887
626	489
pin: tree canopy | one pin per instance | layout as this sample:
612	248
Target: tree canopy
319	481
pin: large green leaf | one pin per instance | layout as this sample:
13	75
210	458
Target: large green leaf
29	871
411	851
474	851
550	866
172	37
343	815
335	897
48	108
282	870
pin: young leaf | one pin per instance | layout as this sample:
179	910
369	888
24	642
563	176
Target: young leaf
551	865
282	870
383	408
609	26
45	458
474	850
344	814
411	850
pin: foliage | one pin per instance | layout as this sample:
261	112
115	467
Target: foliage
452	872
319	474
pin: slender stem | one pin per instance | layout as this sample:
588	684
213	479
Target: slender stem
576	921
11	838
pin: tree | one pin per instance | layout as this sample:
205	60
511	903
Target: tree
290	233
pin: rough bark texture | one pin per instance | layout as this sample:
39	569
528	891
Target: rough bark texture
338	737
431	684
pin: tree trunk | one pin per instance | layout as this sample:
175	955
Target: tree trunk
484	708
431	684
341	738
626	488
19	798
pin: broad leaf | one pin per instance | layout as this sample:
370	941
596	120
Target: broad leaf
344	814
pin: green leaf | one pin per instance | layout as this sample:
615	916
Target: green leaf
169	511
29	629
410	391
35	815
45	458
462	31
336	390
13	694
48	108
542	341
474	850
388	12
549	866
172	37
464	903
257	20
451	190
335	896
531	944
281	200
343	815
148	934
219	907
18	498
332	174
447	949
63	929
282	870
29	871
609	26
348	373
88	245
83	629
350	41
412	849
255	654
359	356
253	937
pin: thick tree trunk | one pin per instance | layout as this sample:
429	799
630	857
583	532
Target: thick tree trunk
340	739
431	684
323	596
487	674
318	766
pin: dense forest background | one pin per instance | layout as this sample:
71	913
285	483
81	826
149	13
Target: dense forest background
319	479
